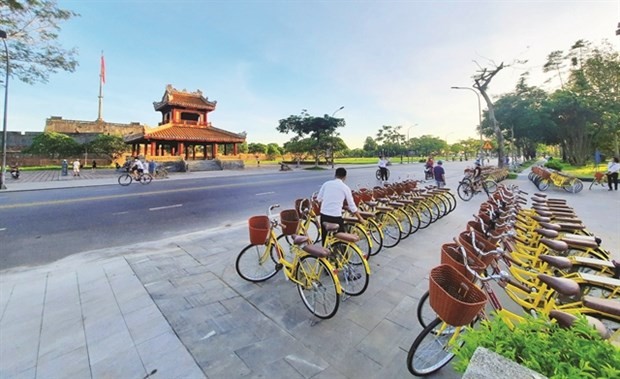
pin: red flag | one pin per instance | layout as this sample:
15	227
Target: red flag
102	70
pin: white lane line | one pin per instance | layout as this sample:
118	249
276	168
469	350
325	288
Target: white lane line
264	193
119	213
2	229
166	207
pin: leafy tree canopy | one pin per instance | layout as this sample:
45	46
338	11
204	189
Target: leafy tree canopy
32	28
112	146
54	145
257	148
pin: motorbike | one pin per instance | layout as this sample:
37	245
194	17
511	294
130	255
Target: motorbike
15	172
428	173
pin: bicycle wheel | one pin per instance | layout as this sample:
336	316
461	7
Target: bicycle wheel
451	199
317	287
465	191
425	313
309	228
432	349
125	180
391	230
350	266
365	242
405	222
378	175
490	186
543	184
255	263
146	178
415	218
425	213
377	236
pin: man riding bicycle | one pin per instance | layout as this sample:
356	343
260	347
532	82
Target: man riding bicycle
137	168
383	162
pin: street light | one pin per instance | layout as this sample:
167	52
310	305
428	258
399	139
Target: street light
479	116
6	98
332	142
408	139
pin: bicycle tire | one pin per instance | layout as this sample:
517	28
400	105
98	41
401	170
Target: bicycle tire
415	218
317	287
490	186
426	215
543	185
365	241
377	236
311	230
452	200
349	262
465	191
378	174
405	222
429	351
391	230
146	178
255	263
425	313
125	180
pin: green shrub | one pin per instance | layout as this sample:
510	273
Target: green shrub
554	165
544	347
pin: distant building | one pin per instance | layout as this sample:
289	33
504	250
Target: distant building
86	131
184	130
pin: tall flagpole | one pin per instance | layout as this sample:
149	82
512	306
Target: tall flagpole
101	82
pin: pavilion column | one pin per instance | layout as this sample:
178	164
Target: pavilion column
235	151
214	150
180	146
153	149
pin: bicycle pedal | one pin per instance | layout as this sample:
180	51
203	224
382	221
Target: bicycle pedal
279	266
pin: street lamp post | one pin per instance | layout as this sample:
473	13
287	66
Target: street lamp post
479	117
408	140
3	35
332	142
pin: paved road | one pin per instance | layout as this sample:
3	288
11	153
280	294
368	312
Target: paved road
44	226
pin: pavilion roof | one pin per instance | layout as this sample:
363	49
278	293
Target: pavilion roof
192	100
170	132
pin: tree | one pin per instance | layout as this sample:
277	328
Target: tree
370	147
112	146
427	145
299	147
257	148
481	83
390	140
32	28
243	147
273	150
317	128
54	145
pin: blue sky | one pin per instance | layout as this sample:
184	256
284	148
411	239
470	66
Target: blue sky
387	62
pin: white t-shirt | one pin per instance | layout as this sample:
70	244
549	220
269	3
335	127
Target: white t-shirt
383	163
332	196
76	165
138	165
613	167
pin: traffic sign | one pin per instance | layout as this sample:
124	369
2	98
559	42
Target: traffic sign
487	146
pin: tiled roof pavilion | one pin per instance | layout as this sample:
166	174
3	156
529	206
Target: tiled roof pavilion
184	130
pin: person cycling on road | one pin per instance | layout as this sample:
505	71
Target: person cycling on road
477	175
428	168
383	162
137	168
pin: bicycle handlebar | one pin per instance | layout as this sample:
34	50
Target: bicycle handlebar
503	276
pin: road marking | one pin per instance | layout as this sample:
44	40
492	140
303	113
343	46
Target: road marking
166	207
264	193
119	213
2	229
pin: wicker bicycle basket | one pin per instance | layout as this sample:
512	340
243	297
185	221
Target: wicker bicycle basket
290	221
451	255
453	297
259	229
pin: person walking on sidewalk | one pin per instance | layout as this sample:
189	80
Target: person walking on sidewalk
612	173
440	174
76	167
331	196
